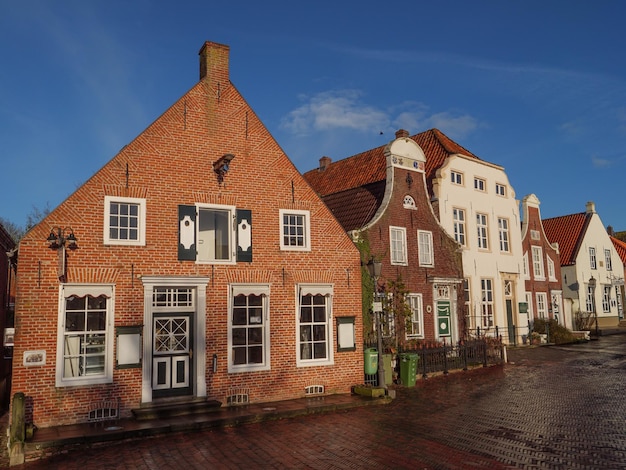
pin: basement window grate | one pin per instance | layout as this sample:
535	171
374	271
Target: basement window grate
314	390
238	397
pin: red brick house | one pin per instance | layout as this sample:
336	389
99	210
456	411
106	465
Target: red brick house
620	247
196	265
381	198
542	267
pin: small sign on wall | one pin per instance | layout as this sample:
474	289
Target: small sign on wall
345	334
34	358
129	346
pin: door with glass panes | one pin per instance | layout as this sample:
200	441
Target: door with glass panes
171	355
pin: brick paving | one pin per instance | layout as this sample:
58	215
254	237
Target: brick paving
549	408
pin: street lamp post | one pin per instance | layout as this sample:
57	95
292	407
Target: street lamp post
374	269
592	285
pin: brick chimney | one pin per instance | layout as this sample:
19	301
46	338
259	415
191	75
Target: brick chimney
324	163
214	62
401	133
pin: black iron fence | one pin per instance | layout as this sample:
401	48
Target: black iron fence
441	358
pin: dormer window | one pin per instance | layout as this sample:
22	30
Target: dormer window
409	203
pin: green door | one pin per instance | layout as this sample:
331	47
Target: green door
443	318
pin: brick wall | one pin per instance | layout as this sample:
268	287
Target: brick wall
170	163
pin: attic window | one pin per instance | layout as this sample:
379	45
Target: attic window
409	203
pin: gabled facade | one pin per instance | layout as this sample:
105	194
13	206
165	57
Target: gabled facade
380	197
476	204
542	267
196	265
591	269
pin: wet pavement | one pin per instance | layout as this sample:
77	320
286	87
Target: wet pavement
550	407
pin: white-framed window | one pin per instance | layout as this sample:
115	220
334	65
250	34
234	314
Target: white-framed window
458	216
313	324
542	305
606	298
124	221
500	189
538	272
503	233
529	302
608	260
551	272
397	240
248	328
216	234
456	177
592	258
486	304
415	325
482	230
85	334
618	300
590	301
534	234
425	248
409	202
480	184
525	269
295	230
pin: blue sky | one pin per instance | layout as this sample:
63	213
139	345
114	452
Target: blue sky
536	87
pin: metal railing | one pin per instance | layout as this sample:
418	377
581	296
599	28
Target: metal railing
483	351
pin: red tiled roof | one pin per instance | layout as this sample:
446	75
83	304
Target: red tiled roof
369	166
353	188
620	246
568	231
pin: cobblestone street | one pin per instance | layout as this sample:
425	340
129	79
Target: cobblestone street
550	407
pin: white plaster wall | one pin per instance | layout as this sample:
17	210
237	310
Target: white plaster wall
490	263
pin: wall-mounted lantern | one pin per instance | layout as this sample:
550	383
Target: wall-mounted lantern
60	239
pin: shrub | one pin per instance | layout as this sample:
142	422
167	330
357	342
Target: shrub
558	333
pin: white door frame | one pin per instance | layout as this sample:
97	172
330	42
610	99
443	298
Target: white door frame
199	327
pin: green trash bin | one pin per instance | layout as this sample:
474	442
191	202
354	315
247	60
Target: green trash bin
370	361
408	369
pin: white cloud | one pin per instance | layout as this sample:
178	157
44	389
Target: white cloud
600	162
334	110
345	110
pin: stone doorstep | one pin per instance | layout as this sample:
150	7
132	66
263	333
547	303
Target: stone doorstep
170	409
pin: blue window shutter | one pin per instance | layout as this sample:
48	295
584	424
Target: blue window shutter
244	235
187	233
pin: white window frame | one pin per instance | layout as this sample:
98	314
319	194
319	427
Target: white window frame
607	260
416	319
551	271
397	245
501	189
306	233
538	272
529	302
480	184
482	231
503	234
262	290
141	220
82	290
542	305
456	177
590	301
593	262
525	267
486	303
458	217
606	298
232	249
326	291
425	248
